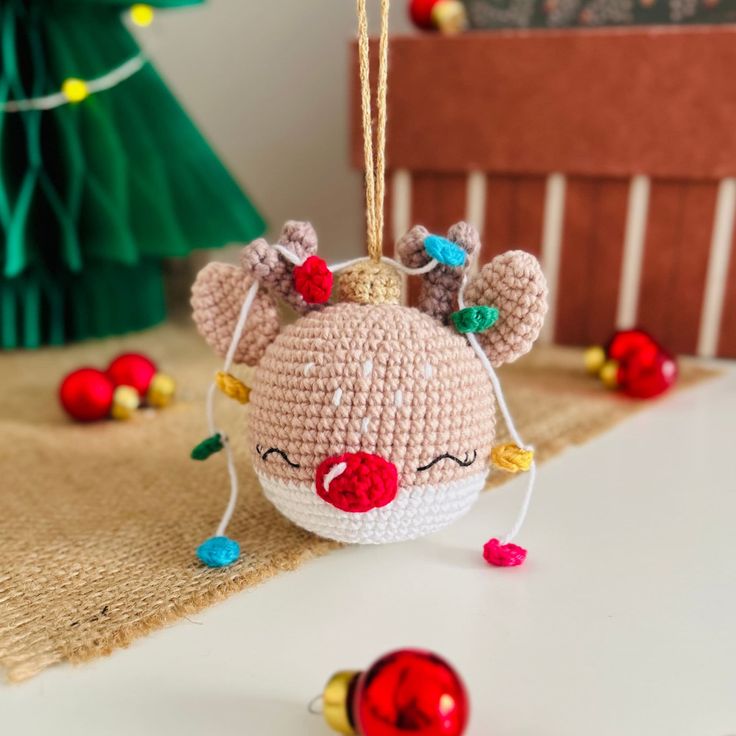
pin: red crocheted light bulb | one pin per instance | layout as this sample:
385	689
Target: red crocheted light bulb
132	369
410	692
420	12
646	374
313	280
625	342
87	395
357	481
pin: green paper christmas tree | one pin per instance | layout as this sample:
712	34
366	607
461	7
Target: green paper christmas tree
95	194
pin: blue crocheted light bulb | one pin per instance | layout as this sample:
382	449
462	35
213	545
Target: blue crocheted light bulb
218	552
444	250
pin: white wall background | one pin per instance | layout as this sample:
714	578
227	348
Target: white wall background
267	82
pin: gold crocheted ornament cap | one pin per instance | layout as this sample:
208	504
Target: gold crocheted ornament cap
370	282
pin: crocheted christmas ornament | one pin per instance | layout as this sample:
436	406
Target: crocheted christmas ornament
373	422
370	421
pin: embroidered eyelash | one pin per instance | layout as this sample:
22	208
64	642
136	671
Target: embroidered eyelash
463	463
277	451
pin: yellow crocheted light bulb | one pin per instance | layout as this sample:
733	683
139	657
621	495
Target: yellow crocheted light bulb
141	15
75	90
512	458
232	387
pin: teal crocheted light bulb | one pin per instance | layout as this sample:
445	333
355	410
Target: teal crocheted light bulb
218	552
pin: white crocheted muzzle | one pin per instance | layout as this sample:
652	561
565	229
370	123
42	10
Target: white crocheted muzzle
415	511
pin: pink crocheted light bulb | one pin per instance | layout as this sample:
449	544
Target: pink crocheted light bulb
503	555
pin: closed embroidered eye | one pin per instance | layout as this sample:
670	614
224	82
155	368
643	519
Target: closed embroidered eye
275	451
467	460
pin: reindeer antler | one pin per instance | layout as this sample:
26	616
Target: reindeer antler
438	296
273	270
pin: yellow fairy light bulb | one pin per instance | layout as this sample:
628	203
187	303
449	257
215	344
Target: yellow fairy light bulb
141	14
75	90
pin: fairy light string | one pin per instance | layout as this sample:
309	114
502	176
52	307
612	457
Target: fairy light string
75	90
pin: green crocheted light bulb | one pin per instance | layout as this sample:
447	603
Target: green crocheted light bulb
474	319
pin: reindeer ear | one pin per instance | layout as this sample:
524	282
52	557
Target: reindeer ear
512	282
217	297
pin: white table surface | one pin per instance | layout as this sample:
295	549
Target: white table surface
621	623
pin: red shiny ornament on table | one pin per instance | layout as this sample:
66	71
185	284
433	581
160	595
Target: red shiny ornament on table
626	342
646	373
87	395
132	369
410	692
420	12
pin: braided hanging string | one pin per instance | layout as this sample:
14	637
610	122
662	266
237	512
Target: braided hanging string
375	184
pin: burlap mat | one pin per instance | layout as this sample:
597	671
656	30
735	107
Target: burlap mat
98	524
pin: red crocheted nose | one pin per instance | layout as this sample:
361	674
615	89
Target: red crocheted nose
357	481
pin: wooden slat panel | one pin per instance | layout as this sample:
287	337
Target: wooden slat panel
590	265
388	231
675	261
727	342
514	214
437	202
604	102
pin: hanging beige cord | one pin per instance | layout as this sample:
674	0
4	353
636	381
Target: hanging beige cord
375	282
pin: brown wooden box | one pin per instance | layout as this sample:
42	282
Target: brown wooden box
610	153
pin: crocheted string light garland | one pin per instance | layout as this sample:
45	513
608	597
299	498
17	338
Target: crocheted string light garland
369	421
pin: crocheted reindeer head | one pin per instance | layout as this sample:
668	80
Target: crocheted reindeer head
371	423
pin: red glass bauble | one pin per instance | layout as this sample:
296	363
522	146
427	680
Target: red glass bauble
625	342
87	395
132	369
646	374
410	692
420	12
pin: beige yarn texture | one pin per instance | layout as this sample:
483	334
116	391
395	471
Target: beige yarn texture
370	283
446	401
98	524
